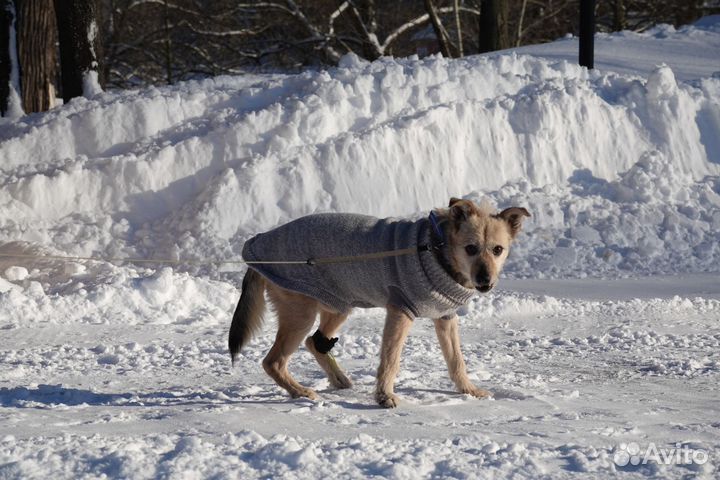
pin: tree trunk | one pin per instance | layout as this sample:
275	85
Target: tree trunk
458	28
521	24
36	47
6	20
168	46
493	25
619	16
78	36
9	68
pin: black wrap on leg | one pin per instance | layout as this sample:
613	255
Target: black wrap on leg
322	343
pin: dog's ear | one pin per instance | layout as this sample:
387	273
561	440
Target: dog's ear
514	217
461	210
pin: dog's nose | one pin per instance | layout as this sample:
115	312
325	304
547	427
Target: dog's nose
482	278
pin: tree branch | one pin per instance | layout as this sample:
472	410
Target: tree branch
441	34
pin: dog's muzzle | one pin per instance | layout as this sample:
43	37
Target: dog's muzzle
483	280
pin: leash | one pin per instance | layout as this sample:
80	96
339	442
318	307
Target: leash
366	256
309	261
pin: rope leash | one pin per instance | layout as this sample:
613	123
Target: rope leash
309	261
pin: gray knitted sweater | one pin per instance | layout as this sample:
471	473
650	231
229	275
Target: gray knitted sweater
416	282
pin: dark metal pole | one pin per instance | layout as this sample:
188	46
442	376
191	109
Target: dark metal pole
587	33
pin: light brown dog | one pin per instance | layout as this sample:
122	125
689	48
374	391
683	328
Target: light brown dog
475	247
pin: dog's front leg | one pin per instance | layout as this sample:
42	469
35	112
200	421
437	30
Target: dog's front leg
397	326
447	333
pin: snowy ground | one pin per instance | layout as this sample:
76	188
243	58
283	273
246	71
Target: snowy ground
575	371
639	53
601	345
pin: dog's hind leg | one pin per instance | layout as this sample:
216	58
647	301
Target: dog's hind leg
449	338
397	326
330	323
296	314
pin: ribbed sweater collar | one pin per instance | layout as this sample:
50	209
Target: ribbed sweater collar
453	293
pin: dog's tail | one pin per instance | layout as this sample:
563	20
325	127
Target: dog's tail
249	312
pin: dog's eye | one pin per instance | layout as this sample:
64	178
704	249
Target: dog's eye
472	250
498	250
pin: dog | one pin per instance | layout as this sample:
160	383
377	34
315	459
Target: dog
335	262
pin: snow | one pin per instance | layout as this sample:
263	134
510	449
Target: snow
603	334
690	50
91	85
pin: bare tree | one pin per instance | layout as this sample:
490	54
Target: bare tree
458	28
639	15
520	24
78	36
37	54
443	38
539	21
165	41
157	41
619	15
493	25
9	68
396	29
369	15
370	46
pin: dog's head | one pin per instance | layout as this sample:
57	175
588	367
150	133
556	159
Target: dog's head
478	242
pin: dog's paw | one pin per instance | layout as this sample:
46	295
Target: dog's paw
387	400
337	377
475	391
304	392
339	380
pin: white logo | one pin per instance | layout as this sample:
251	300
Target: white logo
631	454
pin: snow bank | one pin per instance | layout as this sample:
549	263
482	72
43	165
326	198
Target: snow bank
192	170
111	295
652	219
